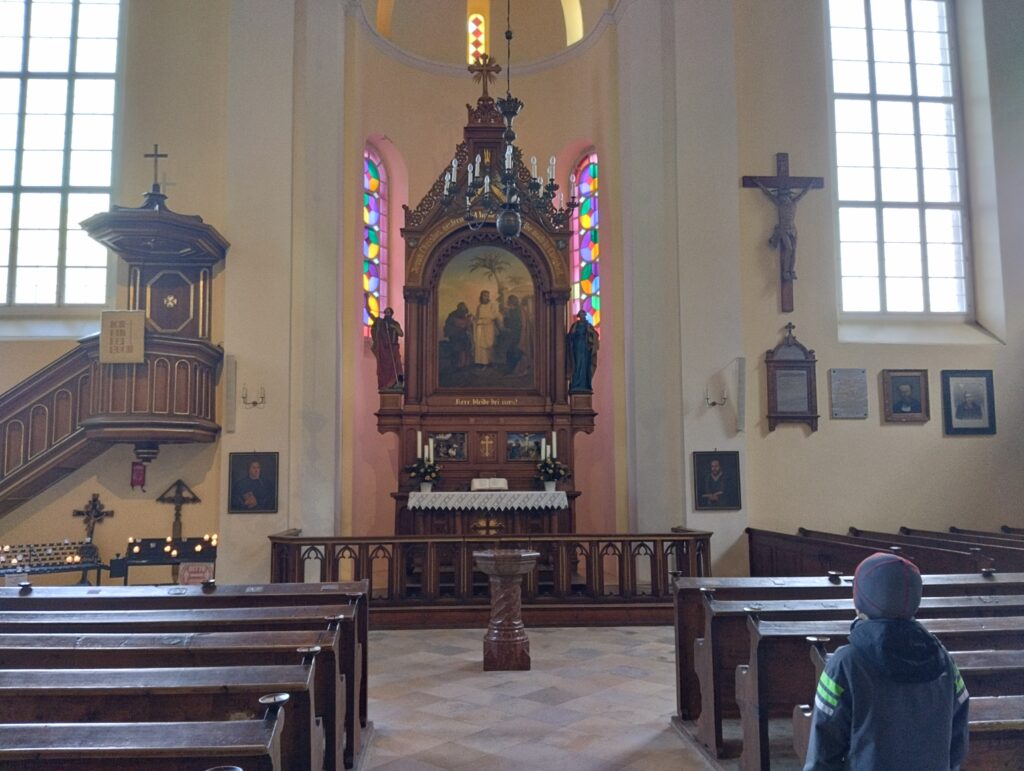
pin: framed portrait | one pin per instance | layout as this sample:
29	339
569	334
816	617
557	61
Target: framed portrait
968	401
523	445
486	321
716	480
449	446
252	482
905	395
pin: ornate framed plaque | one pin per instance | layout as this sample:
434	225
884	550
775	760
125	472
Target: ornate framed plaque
792	383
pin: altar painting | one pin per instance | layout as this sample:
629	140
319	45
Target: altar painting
487	314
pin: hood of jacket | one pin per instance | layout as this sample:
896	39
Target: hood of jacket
901	648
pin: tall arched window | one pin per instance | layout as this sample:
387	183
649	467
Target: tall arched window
586	272
476	37
375	236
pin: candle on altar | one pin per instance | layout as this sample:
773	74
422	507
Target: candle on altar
554	444
543	448
419	445
431	446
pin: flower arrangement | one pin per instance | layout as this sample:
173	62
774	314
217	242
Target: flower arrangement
425	470
551	470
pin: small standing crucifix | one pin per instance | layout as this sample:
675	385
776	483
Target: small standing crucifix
484	69
156	155
785	191
91	514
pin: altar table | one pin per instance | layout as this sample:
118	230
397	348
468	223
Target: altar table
505	512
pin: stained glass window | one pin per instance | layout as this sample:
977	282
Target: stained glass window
898	157
476	37
57	83
586	273
375	237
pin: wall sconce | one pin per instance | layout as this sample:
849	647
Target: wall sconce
259	401
720	401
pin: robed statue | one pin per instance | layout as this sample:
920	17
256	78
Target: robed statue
384	334
581	354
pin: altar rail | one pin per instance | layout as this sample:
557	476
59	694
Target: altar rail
580	579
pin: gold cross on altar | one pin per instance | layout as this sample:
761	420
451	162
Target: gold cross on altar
487	446
484	69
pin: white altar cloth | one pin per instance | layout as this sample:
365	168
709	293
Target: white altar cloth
495	501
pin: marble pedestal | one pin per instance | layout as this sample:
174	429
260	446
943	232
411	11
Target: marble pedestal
506	646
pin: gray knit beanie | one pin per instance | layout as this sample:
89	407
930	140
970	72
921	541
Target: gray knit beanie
887	586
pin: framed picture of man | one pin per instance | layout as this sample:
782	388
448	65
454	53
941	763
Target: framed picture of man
252	482
905	395
968	402
716	480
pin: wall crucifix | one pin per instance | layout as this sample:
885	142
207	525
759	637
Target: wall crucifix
785	191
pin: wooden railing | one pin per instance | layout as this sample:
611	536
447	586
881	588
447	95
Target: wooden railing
574	570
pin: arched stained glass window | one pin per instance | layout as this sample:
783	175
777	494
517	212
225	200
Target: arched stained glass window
476	37
375	237
586	273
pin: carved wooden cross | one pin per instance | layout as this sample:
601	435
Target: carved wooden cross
785	191
178	495
92	513
484	69
156	155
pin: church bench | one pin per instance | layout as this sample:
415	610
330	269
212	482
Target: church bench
689	609
785	554
254	745
204	649
928	558
1014	531
969	536
213	595
1004	556
168	694
780	674
231	619
725	643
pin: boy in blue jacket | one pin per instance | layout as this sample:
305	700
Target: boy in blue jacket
892	698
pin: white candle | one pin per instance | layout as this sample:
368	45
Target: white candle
419	445
508	157
469	174
543	447
431	450
447	181
533	166
487	182
554	444
552	162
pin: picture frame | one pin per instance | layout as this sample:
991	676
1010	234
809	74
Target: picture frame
791	372
253	482
968	402
716	481
905	396
523	445
449	446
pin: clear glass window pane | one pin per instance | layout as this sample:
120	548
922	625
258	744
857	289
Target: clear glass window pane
928	16
94	97
892	78
853	115
44	132
10	95
941	186
38	247
50	20
40	210
945	260
96	55
860	295
899	185
42	168
938	152
897	151
81	206
855	150
937	118
859	258
10	54
856	184
846	13
903	260
85	286
931	48
92	132
6	210
850	44
7	159
97	21
886	14
934	80
891	46
943	225
35	286
48	54
850	77
90	168
904	295
84	251
857	224
46	97
901	225
12	17
895	117
8	131
947	295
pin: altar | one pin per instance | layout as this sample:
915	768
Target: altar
502	512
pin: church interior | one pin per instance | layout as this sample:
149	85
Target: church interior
687	365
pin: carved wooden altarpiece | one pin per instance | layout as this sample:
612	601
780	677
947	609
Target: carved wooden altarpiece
487	403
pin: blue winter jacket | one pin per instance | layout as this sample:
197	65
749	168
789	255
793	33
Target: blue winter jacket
891	699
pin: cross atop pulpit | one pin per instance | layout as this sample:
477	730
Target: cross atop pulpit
92	513
484	69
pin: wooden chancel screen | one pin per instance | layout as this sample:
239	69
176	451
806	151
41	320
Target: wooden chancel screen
485	339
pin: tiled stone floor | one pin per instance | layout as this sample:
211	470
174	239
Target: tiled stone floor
596	698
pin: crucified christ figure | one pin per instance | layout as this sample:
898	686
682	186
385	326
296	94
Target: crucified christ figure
783	237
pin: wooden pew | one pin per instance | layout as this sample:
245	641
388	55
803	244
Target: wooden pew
929	559
1004	556
1012	530
978	537
725	644
251	744
165	695
253	619
785	554
214	649
780	674
689	609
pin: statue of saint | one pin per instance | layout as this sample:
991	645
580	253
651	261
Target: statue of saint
384	334
581	347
